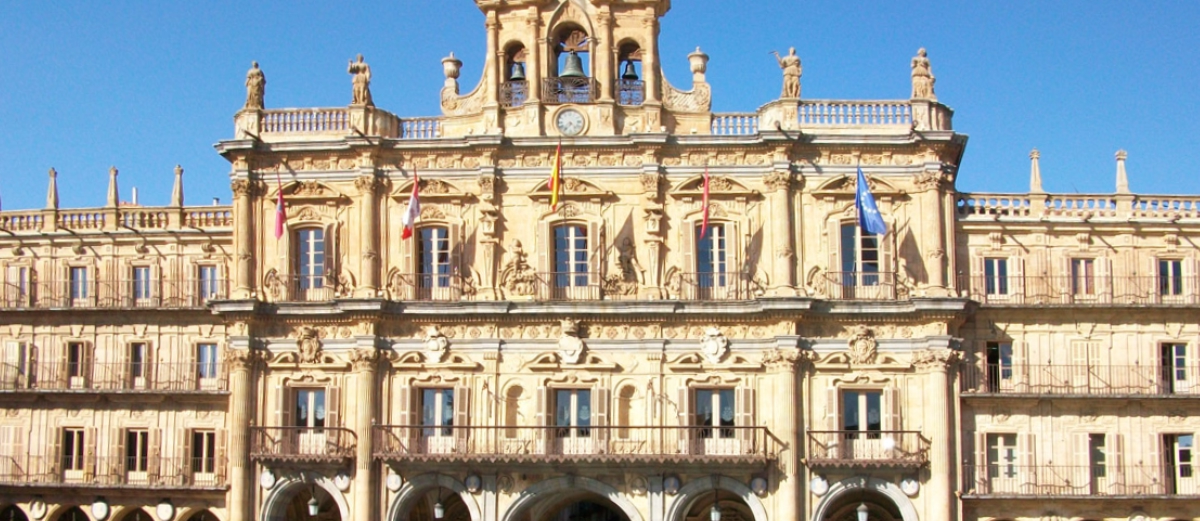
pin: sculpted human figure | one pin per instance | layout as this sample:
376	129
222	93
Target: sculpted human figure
791	73
362	82
256	86
922	77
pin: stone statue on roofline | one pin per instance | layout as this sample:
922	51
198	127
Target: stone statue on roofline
362	82
256	87
791	73
922	77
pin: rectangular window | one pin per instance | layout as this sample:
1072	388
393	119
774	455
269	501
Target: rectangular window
1179	460
1170	277
573	413
860	257
1097	456
1175	367
1002	455
999	366
712	258
310	408
15	371
76	360
1083	277
78	283
72	449
996	273
310	261
137	360
862	411
137	450
570	255
209	282
141	283
16	287
433	250
437	410
206	361
715	408
204	448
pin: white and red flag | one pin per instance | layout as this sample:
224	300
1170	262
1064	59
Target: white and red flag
704	206
280	214
412	214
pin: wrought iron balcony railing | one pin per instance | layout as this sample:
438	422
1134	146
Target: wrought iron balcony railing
148	377
112	294
579	285
1038	290
113	471
710	286
302	443
867	448
416	286
556	91
1002	479
533	444
1090	380
513	93
631	92
860	285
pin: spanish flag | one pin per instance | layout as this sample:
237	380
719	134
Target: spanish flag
555	180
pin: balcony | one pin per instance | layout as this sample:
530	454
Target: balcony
302	444
711	286
517	445
113	294
631	93
514	93
1056	480
577	285
1085	291
558	91
1081	380
858	285
113	472
867	449
122	377
410	286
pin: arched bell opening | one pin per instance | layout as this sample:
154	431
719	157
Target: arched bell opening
863	506
514	91
13	513
631	87
570	78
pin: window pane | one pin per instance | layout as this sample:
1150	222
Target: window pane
562	413
704	407
874	414
849	247
849	410
583	399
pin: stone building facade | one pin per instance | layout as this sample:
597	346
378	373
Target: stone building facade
694	327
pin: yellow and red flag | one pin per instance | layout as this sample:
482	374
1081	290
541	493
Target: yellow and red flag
555	177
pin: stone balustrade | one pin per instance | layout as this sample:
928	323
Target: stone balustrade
208	218
816	113
314	120
1086	207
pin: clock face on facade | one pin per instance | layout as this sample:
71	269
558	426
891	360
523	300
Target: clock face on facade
570	122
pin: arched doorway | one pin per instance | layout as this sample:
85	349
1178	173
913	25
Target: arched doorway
138	515
731	508
73	514
878	508
302	503
882	500
12	513
571	498
577	507
203	515
438	504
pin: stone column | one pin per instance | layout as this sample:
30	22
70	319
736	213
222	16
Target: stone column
931	182
243	238
493	65
779	195
650	64
535	65
368	268
241	361
781	364
604	50
652	216
365	360
938	424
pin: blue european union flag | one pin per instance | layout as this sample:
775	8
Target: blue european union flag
869	218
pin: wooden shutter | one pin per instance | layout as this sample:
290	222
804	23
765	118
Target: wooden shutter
1083	453
1116	459
89	453
595	230
976	283
1027	457
831	409
1104	282
283	411
20	455
54	460
687	248
183	452
220	453
1188	267
14	355
190	374
1016	278
601	395
891	409
456	244
154	461
64	364
333	401
744	418
981	462
462	411
124	372
735	256
149	365
544	245
408	263
685	432
122	451
87	355
543	405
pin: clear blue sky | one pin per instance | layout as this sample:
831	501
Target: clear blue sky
146	85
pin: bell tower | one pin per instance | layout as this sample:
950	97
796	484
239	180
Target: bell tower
571	68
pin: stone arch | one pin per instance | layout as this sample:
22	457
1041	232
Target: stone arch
697	488
543	490
412	490
855	484
64	510
187	513
131	513
12	512
274	506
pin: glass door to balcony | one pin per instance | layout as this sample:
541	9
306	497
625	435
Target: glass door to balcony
999	367
434	272
715	419
437	421
1175	368
310	418
862	421
713	280
1181	465
573	421
138	368
1002	463
571	264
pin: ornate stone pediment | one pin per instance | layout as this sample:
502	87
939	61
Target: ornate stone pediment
309	191
719	187
433	189
572	188
846	183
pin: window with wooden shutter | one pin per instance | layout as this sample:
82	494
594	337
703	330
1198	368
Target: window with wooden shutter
542	419
89	453
333	402
154	459
462	413
56	460
184	440
745	422
126	452
601	418
217	461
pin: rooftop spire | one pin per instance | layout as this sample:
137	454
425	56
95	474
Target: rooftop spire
113	197
177	191
1122	177
52	191
1035	172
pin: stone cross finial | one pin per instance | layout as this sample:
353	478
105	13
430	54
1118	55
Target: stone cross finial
113	196
1035	172
177	190
52	191
256	87
1122	177
922	77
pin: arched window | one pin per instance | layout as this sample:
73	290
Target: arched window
309	263
515	89
570	81
631	90
570	259
434	270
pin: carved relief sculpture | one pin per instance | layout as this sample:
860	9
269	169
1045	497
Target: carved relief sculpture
570	346
363	359
518	277
362	82
862	346
308	343
436	343
791	73
713	345
256	86
273	285
922	77
625	274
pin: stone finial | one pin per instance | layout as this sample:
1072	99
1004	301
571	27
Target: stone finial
452	67
114	197
52	191
699	63
1122	177
791	73
922	77
1035	172
256	87
361	81
177	190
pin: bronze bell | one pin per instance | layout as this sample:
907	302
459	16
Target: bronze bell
518	72
574	67
630	72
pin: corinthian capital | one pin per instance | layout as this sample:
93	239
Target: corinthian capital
364	359
778	180
242	359
934	359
